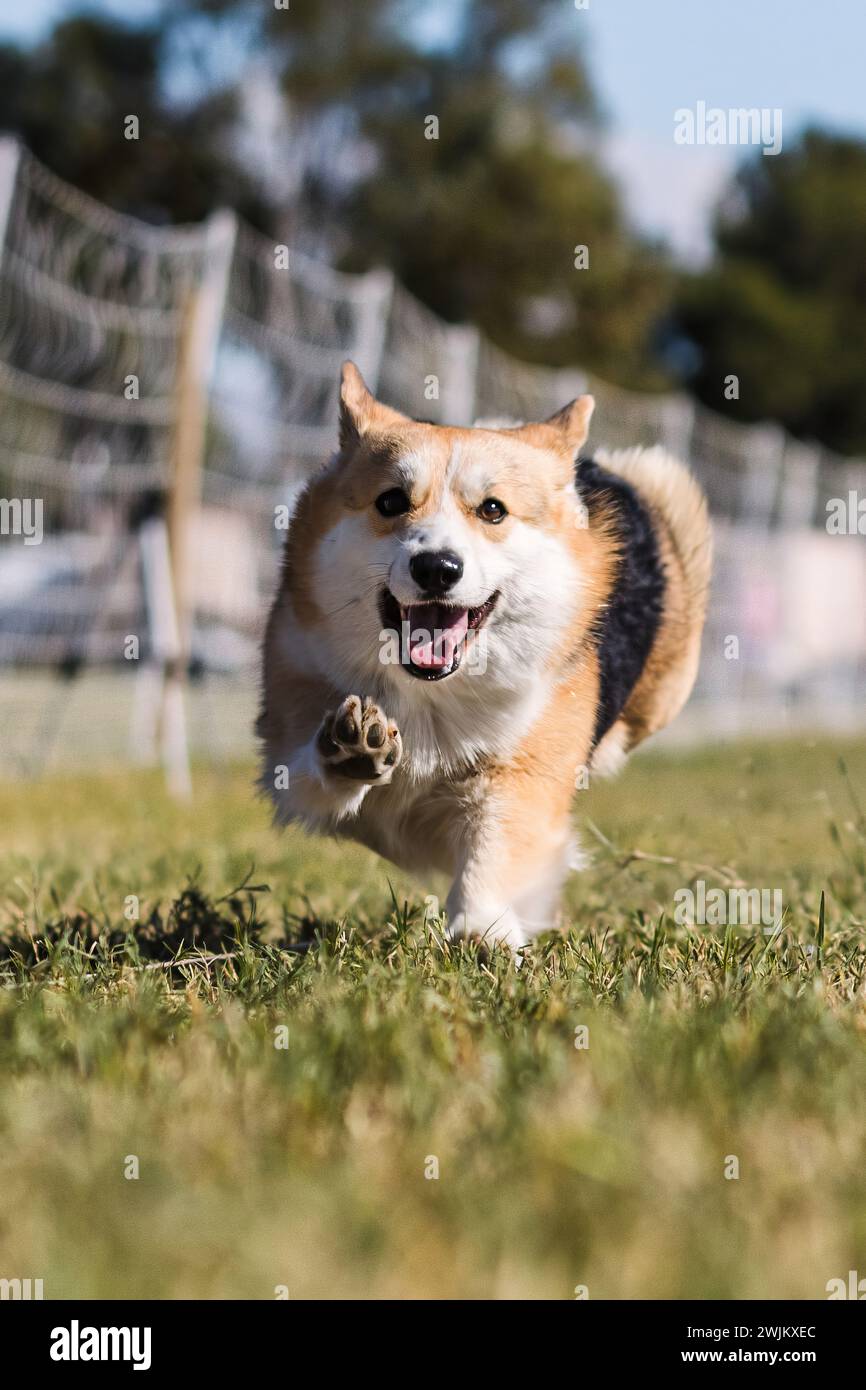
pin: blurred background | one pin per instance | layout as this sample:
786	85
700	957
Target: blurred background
206	205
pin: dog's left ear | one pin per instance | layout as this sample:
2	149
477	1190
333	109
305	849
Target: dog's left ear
360	412
567	429
572	422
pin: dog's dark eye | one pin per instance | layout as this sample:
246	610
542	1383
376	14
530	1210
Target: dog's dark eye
491	510
394	502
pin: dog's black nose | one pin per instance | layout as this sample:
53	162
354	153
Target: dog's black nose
436	571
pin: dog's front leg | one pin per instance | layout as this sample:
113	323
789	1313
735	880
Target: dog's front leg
515	859
356	748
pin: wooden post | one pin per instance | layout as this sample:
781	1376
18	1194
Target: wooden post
798	495
678	422
202	319
160	673
373	325
761	479
459	387
10	157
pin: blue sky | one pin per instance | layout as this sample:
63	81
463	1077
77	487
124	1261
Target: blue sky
650	57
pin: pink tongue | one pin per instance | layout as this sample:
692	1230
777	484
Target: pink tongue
435	632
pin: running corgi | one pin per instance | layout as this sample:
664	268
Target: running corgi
467	621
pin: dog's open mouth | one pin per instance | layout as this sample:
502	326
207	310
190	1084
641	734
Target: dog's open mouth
433	636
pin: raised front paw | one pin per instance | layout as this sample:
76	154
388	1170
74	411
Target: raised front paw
359	741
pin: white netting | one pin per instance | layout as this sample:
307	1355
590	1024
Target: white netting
94	323
90	316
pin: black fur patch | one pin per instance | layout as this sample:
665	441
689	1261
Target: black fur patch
630	621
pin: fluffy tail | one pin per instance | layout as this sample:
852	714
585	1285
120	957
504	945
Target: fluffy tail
685	540
669	488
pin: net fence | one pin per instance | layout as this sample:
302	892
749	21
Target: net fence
127	349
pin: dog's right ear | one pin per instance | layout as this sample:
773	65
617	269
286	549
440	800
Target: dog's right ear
360	412
356	405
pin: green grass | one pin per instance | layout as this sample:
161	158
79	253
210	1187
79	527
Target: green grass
304	1166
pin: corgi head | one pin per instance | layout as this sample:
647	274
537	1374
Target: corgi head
440	554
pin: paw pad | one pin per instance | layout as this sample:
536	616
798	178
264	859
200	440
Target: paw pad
358	741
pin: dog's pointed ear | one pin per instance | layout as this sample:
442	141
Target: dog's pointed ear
359	410
571	423
356	404
566	431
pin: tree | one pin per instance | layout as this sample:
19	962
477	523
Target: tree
68	100
481	219
481	180
783	306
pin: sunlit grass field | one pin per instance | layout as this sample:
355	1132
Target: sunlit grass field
287	1110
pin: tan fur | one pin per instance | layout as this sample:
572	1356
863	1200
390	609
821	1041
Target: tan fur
488	760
